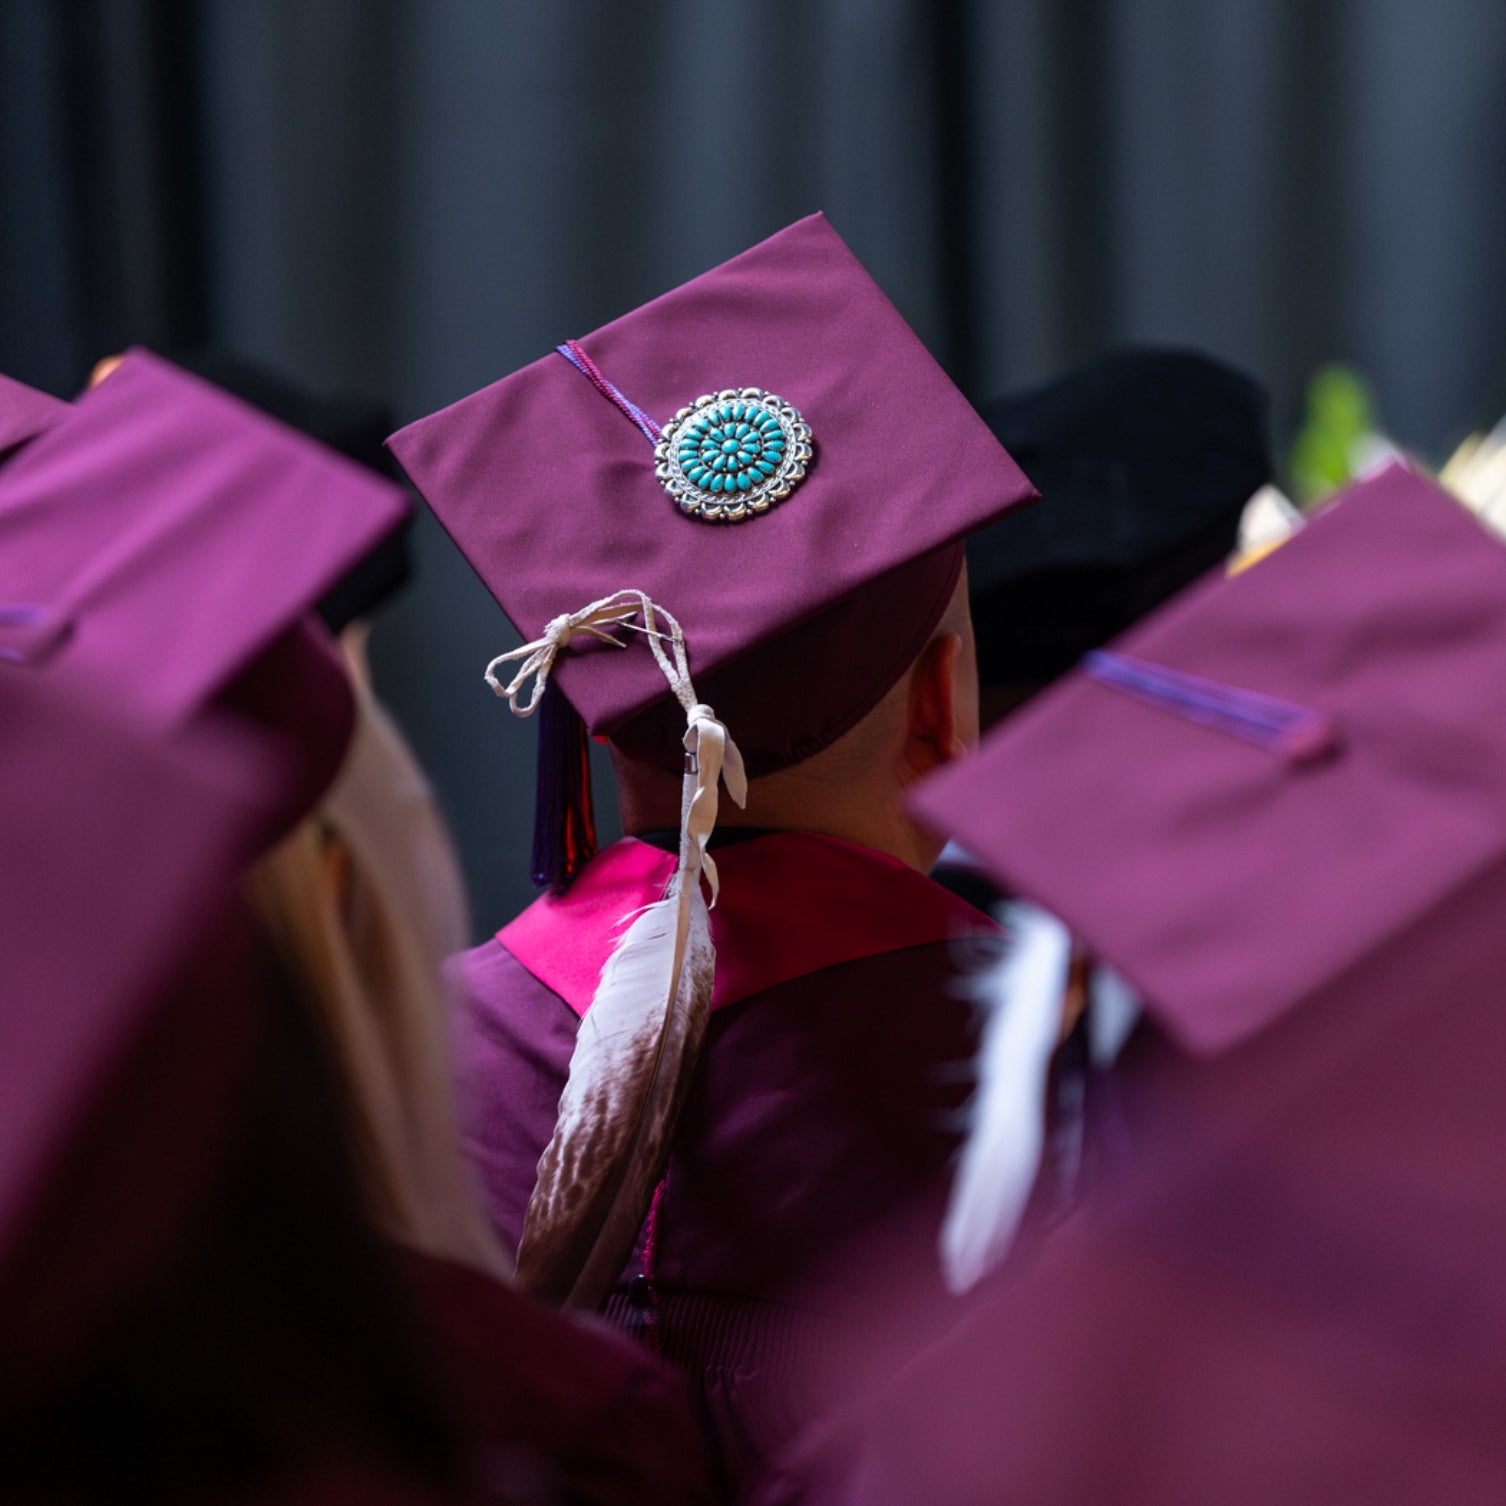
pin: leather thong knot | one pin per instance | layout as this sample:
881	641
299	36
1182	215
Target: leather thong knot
538	656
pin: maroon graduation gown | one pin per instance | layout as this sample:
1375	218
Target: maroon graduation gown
825	1102
1298	1295
557	1405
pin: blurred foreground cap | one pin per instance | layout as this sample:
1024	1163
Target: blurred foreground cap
1333	771
1144	462
116	1049
163	547
25	413
793	399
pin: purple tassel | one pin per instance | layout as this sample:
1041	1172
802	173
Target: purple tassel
564	825
1299	733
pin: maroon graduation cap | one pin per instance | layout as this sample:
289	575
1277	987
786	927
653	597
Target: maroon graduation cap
163	546
25	413
1271	775
1236	805
769	453
800	614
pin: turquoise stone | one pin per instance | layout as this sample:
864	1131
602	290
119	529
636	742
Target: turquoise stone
732	447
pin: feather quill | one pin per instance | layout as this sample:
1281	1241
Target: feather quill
1021	995
617	1114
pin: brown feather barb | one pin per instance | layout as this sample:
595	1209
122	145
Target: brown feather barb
632	1064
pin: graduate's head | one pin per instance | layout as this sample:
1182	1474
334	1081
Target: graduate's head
852	786
769	454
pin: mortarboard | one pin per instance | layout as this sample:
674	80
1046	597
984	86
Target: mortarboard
25	413
799	617
1145	461
767	462
1252	792
164	546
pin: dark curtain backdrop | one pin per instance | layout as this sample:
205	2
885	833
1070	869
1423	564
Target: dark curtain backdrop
409	198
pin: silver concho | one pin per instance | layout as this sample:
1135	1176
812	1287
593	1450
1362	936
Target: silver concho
733	454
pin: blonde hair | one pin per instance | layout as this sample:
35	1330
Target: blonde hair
364	900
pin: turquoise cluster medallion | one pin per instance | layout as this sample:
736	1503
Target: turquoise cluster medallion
734	454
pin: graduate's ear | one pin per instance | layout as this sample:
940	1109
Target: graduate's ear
943	708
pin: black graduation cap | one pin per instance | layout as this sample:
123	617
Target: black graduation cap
1144	462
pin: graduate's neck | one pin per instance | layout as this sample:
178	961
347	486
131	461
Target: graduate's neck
648	799
854	789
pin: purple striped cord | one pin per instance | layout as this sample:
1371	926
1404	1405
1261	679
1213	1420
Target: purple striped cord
588	368
1297	732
